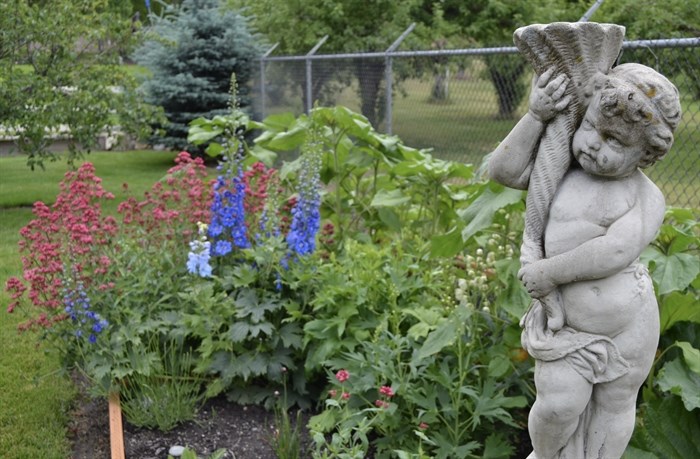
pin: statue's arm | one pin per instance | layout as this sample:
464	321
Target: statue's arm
511	162
620	246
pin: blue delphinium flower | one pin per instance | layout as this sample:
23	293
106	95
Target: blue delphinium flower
85	320
198	258
306	215
228	211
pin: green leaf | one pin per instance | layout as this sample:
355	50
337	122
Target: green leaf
498	366
390	218
199	135
446	245
676	378
214	149
391	198
676	307
479	214
497	447
443	336
279	121
239	332
691	356
674	272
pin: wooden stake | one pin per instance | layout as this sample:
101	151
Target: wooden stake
116	432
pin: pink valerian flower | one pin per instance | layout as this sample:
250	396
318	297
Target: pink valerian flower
172	207
381	404
345	396
342	376
423	426
332	393
387	391
71	235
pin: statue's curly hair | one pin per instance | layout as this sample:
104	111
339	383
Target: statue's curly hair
640	94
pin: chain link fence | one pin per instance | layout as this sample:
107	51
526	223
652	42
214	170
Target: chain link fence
461	103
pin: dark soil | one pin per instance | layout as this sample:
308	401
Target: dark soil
243	431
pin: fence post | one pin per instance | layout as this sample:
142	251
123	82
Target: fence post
262	79
389	75
309	85
587	15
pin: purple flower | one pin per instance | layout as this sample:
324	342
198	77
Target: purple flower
79	310
306	215
228	212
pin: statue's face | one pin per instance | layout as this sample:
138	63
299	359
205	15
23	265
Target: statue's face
608	146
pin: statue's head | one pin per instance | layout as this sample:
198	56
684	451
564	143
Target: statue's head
647	101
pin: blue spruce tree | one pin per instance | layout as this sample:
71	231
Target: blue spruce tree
191	52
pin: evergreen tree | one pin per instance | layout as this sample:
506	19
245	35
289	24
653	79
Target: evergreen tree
192	52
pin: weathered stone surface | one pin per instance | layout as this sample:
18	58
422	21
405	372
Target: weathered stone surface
593	325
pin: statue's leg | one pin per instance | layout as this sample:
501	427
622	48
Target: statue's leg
562	396
614	403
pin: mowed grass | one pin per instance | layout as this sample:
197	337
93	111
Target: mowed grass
35	396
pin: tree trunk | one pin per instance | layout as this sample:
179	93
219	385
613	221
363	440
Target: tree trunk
370	73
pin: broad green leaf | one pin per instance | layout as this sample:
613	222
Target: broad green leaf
519	401
391	198
214	149
267	157
634	453
279	121
443	336
201	135
390	218
498	366
676	378
446	245
691	356
479	214
674	272
677	307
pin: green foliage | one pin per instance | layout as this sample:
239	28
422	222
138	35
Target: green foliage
670	396
190	454
169	395
647	19
61	79
192	51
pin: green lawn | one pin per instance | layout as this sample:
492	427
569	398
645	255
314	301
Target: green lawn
35	398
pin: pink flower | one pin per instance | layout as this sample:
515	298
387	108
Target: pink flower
381	404
342	376
345	396
423	426
386	390
332	393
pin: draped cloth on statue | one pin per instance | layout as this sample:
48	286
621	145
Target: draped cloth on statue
595	357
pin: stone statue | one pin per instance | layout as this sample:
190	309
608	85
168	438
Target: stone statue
593	326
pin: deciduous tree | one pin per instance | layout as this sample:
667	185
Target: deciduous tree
60	75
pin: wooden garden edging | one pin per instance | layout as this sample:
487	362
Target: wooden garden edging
116	432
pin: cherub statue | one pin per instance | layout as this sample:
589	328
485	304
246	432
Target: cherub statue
594	335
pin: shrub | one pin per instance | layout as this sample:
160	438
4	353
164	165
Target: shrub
192	52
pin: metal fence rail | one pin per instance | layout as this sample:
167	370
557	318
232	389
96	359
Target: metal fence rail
462	102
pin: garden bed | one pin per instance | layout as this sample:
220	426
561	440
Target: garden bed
243	431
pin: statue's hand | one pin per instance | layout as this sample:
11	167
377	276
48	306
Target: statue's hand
536	279
547	96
